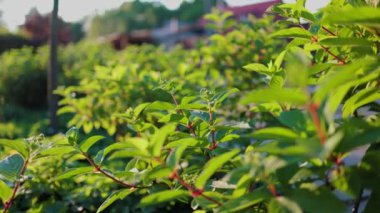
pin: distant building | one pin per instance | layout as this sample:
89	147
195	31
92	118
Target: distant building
175	32
258	9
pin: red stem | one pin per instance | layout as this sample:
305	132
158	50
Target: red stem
189	125
9	203
194	191
328	31
313	108
272	189
110	176
213	141
341	61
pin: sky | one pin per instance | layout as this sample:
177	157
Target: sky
14	11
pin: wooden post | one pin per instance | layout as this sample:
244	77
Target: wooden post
53	69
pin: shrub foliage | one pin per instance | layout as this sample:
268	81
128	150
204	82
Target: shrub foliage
267	117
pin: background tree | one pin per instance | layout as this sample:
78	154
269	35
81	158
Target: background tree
138	15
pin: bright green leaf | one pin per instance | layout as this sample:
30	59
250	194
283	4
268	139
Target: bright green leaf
163	196
74	172
293	32
5	191
291	96
212	166
118	195
89	142
19	145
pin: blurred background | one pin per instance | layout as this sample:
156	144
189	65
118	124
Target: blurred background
25	22
93	33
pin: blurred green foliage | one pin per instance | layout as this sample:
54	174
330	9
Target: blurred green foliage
137	15
264	117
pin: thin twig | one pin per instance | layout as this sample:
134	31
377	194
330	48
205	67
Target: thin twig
315	39
9	203
326	49
189	125
194	191
108	175
213	141
328	31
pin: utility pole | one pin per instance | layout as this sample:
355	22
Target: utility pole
52	73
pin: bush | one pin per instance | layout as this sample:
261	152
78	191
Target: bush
284	142
11	41
23	77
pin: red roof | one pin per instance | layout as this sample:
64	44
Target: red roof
258	9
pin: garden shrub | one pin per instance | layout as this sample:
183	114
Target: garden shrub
279	140
23	78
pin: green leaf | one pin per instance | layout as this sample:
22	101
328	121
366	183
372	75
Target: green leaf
345	42
260	68
245	201
5	191
275	133
293	32
98	159
242	186
361	98
11	166
212	166
223	95
284	95
74	172
117	146
347	75
159	105
183	141
139	143
118	195
89	142
159	137
57	151
368	16
139	109
315	200
330	145
318	68
368	136
163	196
283	205
72	136
65	109
19	145
294	119
296	66
175	156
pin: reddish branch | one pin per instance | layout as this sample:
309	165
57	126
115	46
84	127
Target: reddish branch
108	175
315	39
213	141
313	110
8	203
194	191
272	189
341	61
189	125
328	31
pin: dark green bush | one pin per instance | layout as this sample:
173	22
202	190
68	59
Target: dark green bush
11	41
23	77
